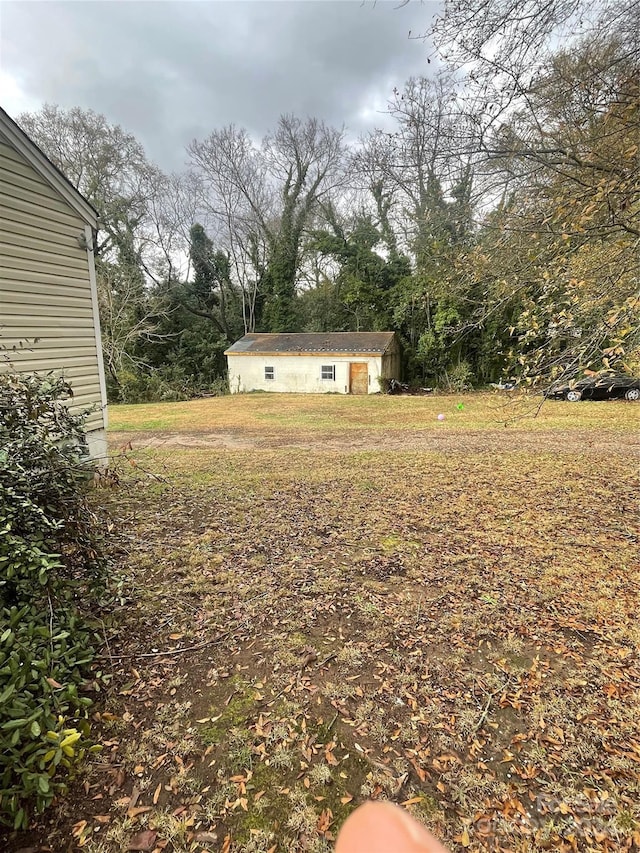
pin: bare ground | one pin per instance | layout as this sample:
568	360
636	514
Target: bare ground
503	440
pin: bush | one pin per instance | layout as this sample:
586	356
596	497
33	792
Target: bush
49	560
218	387
459	377
164	385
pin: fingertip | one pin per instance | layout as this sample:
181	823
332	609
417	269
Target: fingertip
385	828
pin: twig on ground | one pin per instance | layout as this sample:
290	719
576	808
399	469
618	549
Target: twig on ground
483	716
176	651
106	642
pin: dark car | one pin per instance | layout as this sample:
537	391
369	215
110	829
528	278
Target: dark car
601	387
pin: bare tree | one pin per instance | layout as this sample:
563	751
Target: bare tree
509	41
230	202
137	241
164	243
553	89
505	51
104	162
420	174
263	197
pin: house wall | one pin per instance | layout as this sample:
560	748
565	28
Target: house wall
47	287
298	373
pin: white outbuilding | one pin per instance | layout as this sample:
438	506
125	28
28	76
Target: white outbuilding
314	363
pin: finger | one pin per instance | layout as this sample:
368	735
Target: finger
385	828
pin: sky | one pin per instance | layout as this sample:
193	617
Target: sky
169	72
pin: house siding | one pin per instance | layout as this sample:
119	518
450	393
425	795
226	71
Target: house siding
46	299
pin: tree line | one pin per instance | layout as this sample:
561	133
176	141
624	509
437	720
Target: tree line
493	224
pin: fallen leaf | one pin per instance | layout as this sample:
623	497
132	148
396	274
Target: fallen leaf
78	828
107	715
310	657
324	821
138	810
144	840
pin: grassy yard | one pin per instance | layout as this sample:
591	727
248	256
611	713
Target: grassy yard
312	414
328	599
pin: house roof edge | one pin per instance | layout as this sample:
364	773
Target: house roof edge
36	157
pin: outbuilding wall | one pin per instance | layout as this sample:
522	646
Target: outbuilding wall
298	373
391	362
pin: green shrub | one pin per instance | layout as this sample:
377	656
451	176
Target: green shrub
49	561
459	377
218	387
166	384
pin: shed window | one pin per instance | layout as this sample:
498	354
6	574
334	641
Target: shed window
269	373
328	371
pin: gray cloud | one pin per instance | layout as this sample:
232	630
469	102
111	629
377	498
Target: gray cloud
169	72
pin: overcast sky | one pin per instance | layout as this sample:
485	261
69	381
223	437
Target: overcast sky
172	71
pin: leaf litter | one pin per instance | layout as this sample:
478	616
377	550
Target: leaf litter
301	630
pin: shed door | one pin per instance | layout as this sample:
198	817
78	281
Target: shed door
359	377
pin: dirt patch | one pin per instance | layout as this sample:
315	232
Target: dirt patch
499	441
207	440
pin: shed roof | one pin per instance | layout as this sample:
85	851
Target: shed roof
36	157
361	343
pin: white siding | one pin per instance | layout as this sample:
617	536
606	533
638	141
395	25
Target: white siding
45	286
298	373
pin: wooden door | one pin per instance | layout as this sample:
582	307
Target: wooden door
359	377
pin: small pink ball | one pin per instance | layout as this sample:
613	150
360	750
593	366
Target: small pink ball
440	417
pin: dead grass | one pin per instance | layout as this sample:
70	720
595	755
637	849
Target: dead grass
337	413
456	631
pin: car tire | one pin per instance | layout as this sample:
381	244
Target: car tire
573	396
633	394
